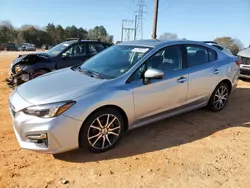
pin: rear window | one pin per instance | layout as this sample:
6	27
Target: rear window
198	55
212	55
219	47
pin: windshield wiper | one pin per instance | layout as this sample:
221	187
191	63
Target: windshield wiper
96	74
90	73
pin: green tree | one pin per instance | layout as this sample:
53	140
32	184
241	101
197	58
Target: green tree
99	32
50	34
82	33
51	30
7	32
59	34
234	45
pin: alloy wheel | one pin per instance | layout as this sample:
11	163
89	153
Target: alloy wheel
104	131
221	97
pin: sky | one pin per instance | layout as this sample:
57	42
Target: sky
190	19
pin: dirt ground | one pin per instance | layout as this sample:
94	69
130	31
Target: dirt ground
197	149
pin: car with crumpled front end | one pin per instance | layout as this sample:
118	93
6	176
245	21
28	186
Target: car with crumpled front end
69	53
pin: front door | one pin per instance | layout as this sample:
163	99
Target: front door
73	56
164	94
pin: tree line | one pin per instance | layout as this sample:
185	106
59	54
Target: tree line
50	34
233	44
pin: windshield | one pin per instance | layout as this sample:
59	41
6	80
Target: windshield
115	60
57	49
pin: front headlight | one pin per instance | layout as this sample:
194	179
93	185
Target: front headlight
48	110
17	68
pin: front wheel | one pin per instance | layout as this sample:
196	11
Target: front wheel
39	73
219	97
102	130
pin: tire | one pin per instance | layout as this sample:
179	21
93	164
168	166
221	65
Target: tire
97	139
38	73
219	100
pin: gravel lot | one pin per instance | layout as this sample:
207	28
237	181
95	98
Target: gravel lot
197	149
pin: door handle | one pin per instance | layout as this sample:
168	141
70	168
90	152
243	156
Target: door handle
216	71
181	79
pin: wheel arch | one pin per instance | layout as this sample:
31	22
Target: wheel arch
38	66
45	69
228	82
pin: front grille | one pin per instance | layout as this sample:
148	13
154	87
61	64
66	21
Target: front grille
245	72
245	60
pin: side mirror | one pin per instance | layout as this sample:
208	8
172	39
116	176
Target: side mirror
153	74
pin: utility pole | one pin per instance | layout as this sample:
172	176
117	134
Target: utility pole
155	19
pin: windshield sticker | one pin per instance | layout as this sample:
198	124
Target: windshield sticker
140	50
66	44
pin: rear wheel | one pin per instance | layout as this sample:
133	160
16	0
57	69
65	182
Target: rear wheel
219	97
102	130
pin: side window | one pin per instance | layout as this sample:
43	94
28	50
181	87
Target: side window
77	50
106	45
196	55
219	47
212	55
95	48
168	60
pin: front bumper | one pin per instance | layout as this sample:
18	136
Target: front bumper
61	132
17	79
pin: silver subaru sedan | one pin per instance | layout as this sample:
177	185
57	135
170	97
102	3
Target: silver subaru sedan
126	86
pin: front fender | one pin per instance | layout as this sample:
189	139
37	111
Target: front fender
88	103
32	68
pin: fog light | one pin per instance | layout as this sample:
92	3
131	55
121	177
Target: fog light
40	139
37	136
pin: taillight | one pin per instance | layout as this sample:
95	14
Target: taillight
237	62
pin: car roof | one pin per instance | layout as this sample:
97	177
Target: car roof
159	42
83	40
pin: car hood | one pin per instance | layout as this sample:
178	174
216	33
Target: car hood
61	85
245	53
23	56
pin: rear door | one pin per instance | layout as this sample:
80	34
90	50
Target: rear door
204	72
74	55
